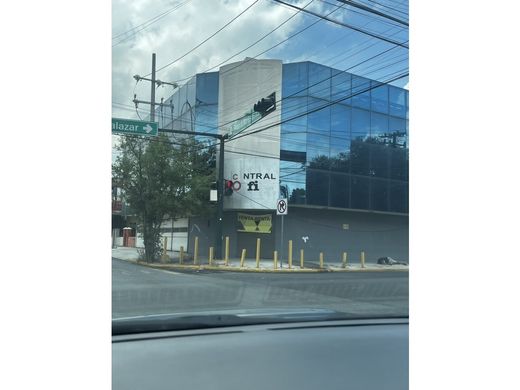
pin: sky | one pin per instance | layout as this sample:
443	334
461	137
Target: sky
171	28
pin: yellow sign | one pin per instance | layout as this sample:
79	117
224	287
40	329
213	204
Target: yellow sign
255	223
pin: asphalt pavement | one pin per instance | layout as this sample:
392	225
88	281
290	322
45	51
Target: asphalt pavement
139	290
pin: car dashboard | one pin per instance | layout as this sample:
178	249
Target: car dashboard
343	354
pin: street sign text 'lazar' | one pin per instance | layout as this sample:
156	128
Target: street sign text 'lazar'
130	126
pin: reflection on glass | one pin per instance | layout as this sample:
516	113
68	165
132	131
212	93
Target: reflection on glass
359	192
294	79
397	102
319	81
341	86
379	97
339	190
317	187
360	92
379	195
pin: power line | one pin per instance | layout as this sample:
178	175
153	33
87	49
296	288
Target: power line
147	24
373	11
345	25
259	54
154	19
207	39
390	8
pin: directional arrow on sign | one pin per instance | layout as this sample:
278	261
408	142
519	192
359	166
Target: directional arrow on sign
148	128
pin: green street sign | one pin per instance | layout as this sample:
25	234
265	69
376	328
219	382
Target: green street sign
129	126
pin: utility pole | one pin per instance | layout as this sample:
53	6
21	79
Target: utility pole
152	93
220	184
220	137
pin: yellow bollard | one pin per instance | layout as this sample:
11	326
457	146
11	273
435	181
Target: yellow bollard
242	258
301	258
321	259
290	254
181	255
363	259
257	252
344	260
196	251
210	255
226	254
165	245
275	260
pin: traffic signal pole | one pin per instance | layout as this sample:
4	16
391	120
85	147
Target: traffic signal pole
220	184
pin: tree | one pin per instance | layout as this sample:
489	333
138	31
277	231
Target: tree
162	181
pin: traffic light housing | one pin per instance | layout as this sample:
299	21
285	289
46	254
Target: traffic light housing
228	187
266	105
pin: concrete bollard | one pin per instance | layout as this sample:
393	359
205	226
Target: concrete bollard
196	251
344	260
257	253
363	259
242	258
301	258
181	255
321	259
164	257
226	254
290	254
275	260
210	260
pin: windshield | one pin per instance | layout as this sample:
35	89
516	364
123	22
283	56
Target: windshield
259	162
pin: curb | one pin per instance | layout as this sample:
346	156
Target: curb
179	267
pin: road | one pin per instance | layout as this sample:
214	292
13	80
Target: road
138	290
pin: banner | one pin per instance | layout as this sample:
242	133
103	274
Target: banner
254	223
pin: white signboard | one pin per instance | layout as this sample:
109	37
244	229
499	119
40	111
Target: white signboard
251	162
282	207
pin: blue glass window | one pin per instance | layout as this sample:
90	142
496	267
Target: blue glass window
292	178
379	96
359	191
294	79
360	124
319	81
378	126
399	164
207	88
341	86
398	197
319	121
379	194
360	92
317	187
339	190
397	100
379	160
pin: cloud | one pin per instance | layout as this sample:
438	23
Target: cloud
179	31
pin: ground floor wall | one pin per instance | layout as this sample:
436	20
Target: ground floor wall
313	230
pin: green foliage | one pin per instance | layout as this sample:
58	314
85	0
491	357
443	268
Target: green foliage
161	180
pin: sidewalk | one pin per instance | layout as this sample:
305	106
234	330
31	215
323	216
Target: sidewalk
265	265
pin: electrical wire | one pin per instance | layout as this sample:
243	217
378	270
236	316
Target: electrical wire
345	25
207	39
147	24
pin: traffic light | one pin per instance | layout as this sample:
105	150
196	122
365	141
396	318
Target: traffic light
266	105
228	187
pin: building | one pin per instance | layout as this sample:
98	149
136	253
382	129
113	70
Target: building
335	145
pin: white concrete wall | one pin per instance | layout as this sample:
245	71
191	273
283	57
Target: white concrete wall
179	238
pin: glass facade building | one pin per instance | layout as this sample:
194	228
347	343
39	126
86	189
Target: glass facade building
350	154
343	141
193	107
